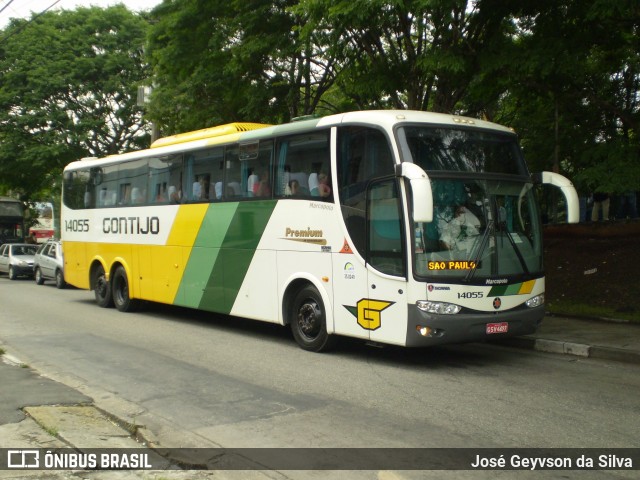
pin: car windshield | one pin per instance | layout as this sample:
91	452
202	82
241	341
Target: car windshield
24	249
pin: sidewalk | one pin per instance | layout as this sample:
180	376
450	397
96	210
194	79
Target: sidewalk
605	339
39	413
40	417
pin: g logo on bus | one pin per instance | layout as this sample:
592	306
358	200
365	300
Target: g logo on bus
497	303
368	312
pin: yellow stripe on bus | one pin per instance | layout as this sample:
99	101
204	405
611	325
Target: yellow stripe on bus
526	287
187	224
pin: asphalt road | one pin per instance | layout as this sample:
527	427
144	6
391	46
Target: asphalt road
196	379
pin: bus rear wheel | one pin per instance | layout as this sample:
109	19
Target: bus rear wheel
120	288
308	321
102	288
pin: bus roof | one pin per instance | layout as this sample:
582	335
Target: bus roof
246	132
218	131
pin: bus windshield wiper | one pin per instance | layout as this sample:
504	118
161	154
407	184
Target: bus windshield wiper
523	263
481	249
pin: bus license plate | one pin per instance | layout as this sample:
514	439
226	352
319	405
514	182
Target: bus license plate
502	327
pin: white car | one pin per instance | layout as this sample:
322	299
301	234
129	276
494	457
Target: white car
16	259
48	264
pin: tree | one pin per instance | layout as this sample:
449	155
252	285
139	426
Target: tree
68	83
415	54
570	89
243	60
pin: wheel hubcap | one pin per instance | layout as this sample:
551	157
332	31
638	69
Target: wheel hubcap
122	290
309	319
101	286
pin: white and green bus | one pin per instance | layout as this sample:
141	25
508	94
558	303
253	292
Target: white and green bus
398	227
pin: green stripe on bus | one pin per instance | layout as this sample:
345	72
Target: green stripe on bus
232	261
502	290
205	252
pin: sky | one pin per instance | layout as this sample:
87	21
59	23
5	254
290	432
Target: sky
24	8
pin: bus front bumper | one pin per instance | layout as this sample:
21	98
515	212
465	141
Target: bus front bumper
426	329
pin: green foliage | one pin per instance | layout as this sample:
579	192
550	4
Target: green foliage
419	54
67	90
571	91
563	73
222	62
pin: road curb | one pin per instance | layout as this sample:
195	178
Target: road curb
573	348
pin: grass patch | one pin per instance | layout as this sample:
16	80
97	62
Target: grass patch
565	307
53	431
2	351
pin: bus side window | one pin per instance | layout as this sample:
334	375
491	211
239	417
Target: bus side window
79	190
256	159
363	155
203	169
232	188
109	186
385	251
303	164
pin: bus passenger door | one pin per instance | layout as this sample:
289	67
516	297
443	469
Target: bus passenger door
384	313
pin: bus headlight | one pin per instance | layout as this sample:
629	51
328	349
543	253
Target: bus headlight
441	308
536	301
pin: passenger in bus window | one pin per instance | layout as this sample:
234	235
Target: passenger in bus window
204	188
457	232
218	190
323	185
314	185
201	189
161	194
252	184
175	196
125	194
294	188
262	188
137	197
196	191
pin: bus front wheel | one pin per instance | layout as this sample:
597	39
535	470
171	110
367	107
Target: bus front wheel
120	287
102	288
308	321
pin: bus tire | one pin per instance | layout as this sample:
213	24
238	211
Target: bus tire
120	291
102	288
38	276
309	321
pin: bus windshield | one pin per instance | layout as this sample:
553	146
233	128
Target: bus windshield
462	150
481	229
486	223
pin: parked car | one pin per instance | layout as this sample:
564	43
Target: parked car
48	264
16	259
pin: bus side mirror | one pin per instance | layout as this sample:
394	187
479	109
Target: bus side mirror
567	189
421	196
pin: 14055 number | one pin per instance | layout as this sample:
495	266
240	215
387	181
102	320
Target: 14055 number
470	295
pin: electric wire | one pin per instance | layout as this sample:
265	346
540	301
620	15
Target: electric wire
31	20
